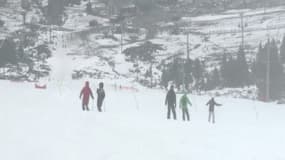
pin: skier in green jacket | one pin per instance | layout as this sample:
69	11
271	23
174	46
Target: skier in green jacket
184	101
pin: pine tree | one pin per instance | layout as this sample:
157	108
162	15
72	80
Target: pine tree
188	73
213	79
243	69
282	51
260	71
224	70
275	73
55	11
235	71
232	73
21	52
164	78
8	52
197	72
176	72
252	76
89	8
229	73
216	80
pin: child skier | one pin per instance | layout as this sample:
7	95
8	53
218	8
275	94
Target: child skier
100	96
184	101
212	103
86	92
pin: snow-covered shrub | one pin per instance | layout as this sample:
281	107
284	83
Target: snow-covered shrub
144	52
93	23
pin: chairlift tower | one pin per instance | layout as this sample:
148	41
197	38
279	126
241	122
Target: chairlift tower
242	26
187	32
267	96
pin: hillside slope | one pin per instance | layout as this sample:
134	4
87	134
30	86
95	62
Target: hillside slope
210	37
49	124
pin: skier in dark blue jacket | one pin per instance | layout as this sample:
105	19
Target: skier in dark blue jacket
100	96
212	103
170	101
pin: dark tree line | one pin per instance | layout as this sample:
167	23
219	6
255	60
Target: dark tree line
234	71
55	10
23	58
9	53
181	71
269	62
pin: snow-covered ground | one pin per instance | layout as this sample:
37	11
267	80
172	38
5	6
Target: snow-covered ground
50	125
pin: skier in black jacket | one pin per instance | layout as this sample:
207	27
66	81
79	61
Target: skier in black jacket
170	101
100	96
212	103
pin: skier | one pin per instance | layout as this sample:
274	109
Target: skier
212	103
184	101
170	101
86	92
100	96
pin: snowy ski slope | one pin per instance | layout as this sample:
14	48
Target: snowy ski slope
49	125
